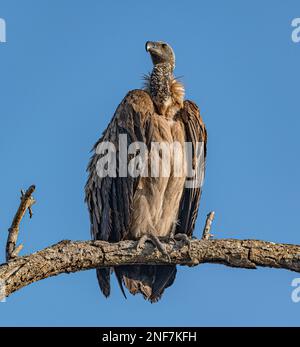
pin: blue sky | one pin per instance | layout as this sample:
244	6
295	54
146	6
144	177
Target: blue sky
66	66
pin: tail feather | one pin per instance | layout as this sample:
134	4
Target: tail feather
165	277
120	281
148	280
103	275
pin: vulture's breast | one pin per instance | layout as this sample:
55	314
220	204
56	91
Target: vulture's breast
157	198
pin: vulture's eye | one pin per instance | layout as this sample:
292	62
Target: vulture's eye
164	45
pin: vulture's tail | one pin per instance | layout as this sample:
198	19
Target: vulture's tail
103	276
149	280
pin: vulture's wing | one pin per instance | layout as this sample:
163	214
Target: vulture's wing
195	132
109	199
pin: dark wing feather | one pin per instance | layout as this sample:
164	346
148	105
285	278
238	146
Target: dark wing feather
110	199
195	132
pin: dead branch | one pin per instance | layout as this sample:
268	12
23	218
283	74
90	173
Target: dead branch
73	256
26	202
206	235
68	256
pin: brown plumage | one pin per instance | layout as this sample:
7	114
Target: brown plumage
129	208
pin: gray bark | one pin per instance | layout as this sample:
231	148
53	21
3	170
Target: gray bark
72	256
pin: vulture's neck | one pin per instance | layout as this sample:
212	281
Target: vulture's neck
160	82
166	92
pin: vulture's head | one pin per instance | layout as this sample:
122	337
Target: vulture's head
161	52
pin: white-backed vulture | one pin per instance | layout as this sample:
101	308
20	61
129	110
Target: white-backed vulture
147	207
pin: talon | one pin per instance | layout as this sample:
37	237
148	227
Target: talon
156	243
141	243
172	240
183	237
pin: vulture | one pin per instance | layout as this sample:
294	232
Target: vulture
142	207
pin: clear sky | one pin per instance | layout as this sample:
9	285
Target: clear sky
66	66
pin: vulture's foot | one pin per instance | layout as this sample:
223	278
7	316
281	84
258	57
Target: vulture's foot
184	238
156	243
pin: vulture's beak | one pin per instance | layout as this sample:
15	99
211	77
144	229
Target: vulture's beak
150	46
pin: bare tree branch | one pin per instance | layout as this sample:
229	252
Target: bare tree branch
206	235
73	256
26	202
67	256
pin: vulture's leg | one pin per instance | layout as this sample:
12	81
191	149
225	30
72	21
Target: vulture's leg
156	243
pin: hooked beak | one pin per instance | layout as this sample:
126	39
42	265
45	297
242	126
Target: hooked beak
149	46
